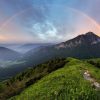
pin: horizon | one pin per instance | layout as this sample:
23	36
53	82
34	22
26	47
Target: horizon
20	43
37	21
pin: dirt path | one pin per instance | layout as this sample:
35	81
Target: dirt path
94	83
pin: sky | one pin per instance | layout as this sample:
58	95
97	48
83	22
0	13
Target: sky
47	21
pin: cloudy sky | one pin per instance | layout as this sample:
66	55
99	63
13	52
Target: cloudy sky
39	21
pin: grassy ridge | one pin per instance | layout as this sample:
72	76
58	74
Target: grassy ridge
66	83
21	81
95	62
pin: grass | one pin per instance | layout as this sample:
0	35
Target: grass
66	83
21	81
95	62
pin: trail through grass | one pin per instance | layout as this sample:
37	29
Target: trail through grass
65	83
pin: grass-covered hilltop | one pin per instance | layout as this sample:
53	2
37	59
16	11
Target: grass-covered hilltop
59	79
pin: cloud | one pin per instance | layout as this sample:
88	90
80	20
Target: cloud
46	31
47	20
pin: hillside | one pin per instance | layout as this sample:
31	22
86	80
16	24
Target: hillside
24	79
95	62
66	83
82	47
13	66
8	54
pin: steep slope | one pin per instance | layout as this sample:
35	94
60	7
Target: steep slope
8	54
67	83
95	62
10	67
24	79
85	39
83	46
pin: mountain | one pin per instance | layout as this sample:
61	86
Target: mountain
83	46
14	66
32	46
58	79
84	39
8	60
23	48
8	54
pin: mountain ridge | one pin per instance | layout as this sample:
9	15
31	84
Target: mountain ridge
83	46
67	81
45	53
8	54
89	38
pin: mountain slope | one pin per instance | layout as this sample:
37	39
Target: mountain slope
8	54
82	46
95	62
85	39
24	79
66	83
31	46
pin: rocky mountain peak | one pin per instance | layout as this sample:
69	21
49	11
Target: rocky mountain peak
87	39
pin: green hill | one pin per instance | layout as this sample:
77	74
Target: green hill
66	83
95	62
21	81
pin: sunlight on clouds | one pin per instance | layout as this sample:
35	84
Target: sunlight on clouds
46	23
46	31
2	38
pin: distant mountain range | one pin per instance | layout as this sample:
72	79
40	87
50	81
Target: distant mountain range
83	46
23	48
31	46
8	54
15	51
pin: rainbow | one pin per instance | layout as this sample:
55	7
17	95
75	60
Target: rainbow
95	28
